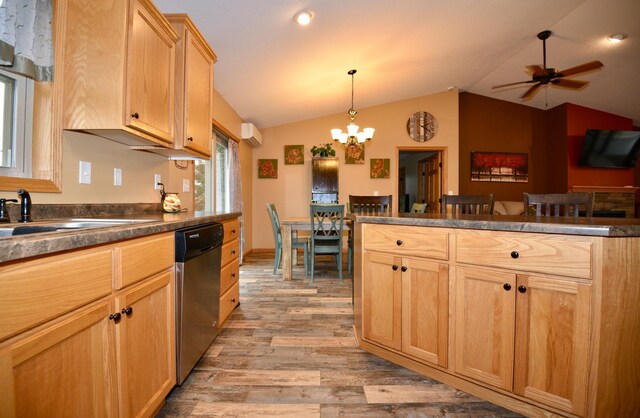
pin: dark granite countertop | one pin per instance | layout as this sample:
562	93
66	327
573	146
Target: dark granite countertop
44	243
601	227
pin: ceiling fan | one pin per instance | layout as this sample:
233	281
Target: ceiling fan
542	76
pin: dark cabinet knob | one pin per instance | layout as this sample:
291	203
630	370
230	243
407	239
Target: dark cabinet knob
115	317
135	115
506	286
189	138
233	231
399	242
522	289
515	254
233	275
403	268
233	252
127	311
233	300
394	267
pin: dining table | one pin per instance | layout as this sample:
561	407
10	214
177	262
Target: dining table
292	225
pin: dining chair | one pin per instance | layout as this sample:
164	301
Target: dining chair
480	204
327	225
419	208
277	236
366	205
560	204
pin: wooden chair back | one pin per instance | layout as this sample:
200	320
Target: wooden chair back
370	204
481	204
560	204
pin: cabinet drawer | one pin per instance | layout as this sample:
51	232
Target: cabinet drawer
551	254
230	251
143	257
229	275
228	302
231	230
407	240
35	291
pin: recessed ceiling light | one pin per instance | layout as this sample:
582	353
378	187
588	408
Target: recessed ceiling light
304	17
618	37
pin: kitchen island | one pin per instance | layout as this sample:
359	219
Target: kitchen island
536	314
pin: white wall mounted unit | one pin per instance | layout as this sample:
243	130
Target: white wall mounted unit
251	134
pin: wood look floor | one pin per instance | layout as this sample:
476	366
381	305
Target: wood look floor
288	351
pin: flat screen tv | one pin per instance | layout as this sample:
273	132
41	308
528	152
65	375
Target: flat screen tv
611	149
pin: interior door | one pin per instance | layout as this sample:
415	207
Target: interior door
430	182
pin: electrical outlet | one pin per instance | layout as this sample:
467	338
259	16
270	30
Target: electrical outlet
157	179
186	185
85	172
117	177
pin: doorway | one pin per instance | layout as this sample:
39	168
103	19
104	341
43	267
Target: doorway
420	178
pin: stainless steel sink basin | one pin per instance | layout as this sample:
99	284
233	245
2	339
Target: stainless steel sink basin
64	224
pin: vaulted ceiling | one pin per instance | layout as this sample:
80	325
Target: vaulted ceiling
273	71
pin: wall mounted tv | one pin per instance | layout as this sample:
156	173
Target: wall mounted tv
611	149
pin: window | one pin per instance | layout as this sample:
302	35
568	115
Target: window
16	118
204	179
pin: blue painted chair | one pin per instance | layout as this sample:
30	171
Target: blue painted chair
327	223
277	237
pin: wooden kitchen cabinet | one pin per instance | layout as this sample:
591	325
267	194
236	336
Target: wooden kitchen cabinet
194	88
230	270
119	71
524	333
99	358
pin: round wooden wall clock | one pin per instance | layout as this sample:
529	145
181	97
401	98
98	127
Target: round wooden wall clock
422	126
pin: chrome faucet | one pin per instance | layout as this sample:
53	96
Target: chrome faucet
25	205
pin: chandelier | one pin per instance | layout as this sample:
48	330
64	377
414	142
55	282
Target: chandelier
352	136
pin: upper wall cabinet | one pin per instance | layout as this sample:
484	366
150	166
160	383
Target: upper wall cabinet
194	87
120	71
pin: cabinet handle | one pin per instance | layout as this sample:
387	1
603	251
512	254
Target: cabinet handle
522	289
403	268
115	317
233	275
127	311
515	254
233	300
189	138
399	242
233	231
233	252
135	115
394	267
506	286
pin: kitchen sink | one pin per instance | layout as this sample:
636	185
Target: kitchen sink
65	224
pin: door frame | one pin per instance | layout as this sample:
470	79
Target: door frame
445	165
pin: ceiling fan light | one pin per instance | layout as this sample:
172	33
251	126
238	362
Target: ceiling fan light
616	38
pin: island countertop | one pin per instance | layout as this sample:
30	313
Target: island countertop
31	245
600	227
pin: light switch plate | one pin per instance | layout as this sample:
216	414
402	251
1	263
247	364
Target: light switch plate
85	172
186	185
157	179
117	177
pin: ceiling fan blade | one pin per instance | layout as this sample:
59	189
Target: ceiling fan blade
531	91
572	84
589	66
536	70
513	84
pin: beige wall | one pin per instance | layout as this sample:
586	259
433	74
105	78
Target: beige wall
104	155
291	191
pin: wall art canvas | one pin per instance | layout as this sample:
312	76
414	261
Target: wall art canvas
500	167
380	168
268	169
293	154
354	154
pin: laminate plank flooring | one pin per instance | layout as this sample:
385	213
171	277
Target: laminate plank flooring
288	350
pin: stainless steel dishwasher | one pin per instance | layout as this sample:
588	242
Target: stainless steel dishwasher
197	293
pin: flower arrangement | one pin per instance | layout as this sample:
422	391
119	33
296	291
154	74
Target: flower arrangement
324	150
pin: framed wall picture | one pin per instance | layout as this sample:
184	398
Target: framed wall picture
380	168
354	154
268	168
294	155
500	167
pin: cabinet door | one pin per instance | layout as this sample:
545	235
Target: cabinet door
67	369
425	310
552	340
198	91
381	304
325	175
145	340
149	77
485	325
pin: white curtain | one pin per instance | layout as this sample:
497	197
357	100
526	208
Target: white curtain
26	42
235	188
